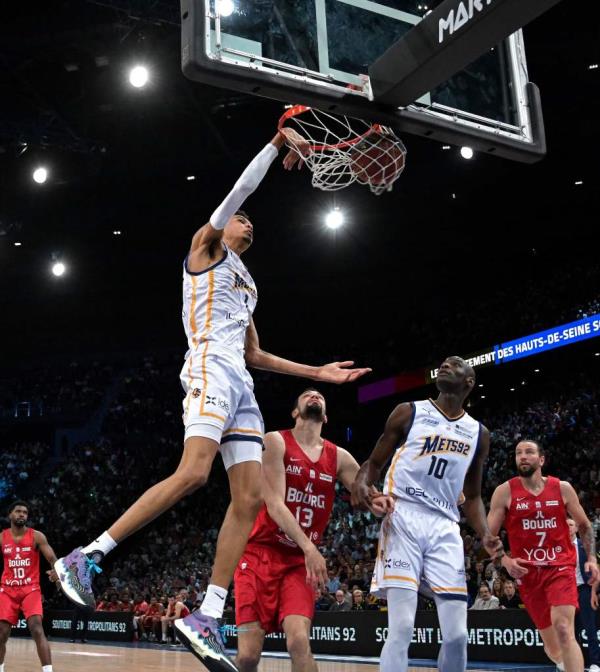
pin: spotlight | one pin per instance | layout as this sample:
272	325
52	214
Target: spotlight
466	152
40	175
334	219
225	7
17	244
138	76
58	269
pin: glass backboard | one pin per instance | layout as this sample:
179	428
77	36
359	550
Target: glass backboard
318	53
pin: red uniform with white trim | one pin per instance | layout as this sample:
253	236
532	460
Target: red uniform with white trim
270	579
538	532
20	589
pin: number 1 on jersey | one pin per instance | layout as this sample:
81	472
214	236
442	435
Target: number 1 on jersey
437	467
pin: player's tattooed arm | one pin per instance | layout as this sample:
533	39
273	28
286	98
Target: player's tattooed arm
473	507
586	531
46	550
394	434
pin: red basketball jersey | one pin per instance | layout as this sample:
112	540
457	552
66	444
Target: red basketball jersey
21	560
309	495
537	526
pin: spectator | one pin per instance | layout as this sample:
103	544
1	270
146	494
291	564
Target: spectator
323	600
358	600
485	600
150	622
510	598
497	588
334	581
340	603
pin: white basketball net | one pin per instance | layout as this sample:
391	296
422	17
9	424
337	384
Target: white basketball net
345	150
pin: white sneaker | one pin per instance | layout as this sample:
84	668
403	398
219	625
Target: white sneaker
594	668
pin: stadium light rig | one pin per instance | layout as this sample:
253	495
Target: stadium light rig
138	76
334	218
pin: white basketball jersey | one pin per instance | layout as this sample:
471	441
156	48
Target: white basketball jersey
430	467
218	303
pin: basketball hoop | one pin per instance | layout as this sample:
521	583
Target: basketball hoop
344	150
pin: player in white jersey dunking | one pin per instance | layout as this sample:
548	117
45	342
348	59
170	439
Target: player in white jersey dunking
220	411
439	451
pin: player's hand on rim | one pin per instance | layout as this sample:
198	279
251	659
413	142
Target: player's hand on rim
316	567
299	148
340	372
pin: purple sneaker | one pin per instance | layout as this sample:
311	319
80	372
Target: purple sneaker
203	637
75	572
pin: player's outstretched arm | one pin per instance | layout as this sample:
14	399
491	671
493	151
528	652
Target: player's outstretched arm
335	372
586	530
274	489
247	183
473	506
394	434
46	550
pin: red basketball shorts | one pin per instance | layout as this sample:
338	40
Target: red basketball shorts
270	585
545	587
27	599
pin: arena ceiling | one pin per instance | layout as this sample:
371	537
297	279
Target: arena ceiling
120	159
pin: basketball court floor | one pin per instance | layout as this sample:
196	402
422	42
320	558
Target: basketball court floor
67	657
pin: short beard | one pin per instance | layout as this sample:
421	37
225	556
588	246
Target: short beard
314	412
527	472
20	523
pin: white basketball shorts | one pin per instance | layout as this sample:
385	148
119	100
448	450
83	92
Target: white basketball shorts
414	543
219	403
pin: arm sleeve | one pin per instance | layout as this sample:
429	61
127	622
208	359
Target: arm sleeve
246	184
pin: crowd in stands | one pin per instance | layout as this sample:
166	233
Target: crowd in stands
74	389
19	462
140	443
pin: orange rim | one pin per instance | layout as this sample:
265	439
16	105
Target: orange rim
297	110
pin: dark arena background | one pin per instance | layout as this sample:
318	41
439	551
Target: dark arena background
486	258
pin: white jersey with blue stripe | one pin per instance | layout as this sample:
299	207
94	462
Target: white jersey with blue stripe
218	303
430	467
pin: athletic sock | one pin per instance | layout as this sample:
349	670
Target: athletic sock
100	547
214	602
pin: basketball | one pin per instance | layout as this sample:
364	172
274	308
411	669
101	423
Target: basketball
377	160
